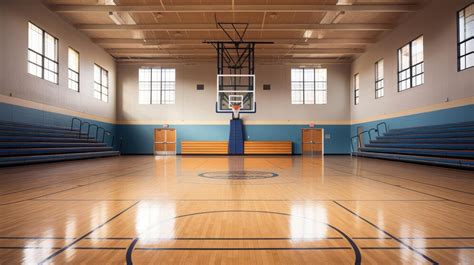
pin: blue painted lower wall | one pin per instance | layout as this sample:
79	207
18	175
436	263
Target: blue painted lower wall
446	116
137	138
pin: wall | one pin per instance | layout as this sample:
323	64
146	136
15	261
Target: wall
273	106
195	118
19	87
447	96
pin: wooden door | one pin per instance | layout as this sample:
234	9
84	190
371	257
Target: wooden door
312	141
165	141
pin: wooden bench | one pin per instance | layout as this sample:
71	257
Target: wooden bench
268	148
204	147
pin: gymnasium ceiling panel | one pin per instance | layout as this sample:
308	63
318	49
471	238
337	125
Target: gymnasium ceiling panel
337	30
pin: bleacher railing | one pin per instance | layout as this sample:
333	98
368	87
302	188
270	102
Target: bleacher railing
87	134
358	136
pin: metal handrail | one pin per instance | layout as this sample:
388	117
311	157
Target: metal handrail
88	126
72	123
361	144
372	129
377	130
109	133
96	129
103	133
352	142
385	125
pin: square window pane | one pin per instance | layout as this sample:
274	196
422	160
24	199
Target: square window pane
297	97
321	75
296	74
309	97
309	75
321	97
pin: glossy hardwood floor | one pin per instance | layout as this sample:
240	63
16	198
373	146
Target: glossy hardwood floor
303	210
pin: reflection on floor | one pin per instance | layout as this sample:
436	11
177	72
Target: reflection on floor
236	210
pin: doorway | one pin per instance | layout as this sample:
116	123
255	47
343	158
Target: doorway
313	141
165	142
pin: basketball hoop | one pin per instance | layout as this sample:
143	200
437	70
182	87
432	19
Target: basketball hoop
236	111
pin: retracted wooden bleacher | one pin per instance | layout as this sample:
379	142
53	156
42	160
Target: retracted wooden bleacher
250	147
204	147
267	148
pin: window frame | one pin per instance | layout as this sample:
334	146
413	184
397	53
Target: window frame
315	89
379	80
411	66
161	89
356	80
101	98
78	72
42	54
458	41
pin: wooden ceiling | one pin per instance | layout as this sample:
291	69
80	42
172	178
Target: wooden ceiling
173	30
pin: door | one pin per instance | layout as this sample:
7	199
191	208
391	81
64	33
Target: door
165	141
313	141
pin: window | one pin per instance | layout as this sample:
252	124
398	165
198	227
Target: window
73	69
379	84
356	89
42	54
308	86
466	38
411	65
156	85
101	83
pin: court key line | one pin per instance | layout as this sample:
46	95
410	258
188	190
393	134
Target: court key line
354	247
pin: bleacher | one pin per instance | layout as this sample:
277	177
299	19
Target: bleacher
446	145
22	143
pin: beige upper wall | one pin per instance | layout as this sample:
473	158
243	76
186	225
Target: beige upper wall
193	106
14	78
437	23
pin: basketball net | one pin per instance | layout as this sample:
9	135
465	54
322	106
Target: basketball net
235	111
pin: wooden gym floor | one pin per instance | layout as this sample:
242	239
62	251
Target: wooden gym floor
146	210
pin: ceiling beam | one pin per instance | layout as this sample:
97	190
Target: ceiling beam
210	51
199	41
236	8
252	27
299	62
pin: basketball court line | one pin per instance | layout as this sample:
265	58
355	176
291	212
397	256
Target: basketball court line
60	182
410	189
87	234
388	234
72	188
420	182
